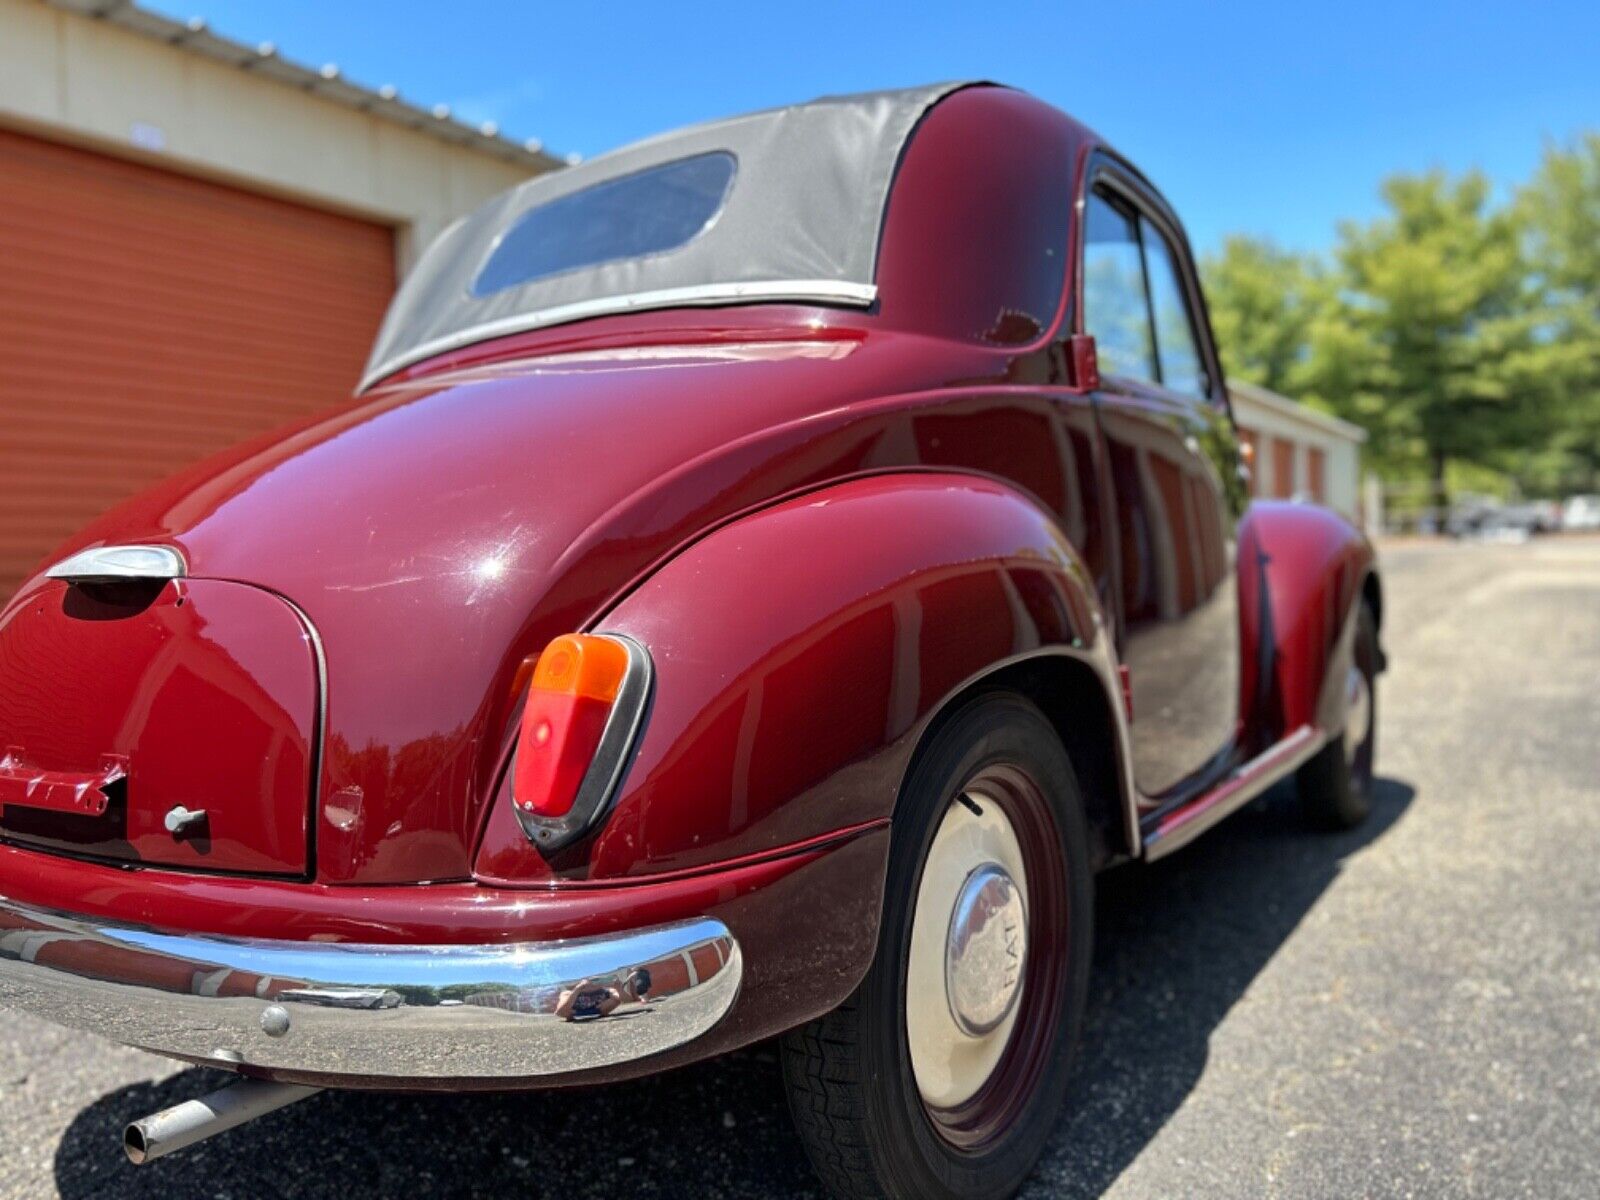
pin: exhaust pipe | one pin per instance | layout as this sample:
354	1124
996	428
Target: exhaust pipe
195	1120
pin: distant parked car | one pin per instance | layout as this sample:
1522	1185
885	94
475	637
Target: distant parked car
1505	525
1518	522
767	571
1581	513
1470	512
1545	515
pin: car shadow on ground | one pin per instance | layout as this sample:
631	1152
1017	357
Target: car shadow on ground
1177	944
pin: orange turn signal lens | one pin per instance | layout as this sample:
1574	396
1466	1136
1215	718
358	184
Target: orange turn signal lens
578	683
578	664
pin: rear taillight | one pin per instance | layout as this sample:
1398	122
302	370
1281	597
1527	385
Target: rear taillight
585	706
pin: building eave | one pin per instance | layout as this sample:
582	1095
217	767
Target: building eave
1292	410
327	83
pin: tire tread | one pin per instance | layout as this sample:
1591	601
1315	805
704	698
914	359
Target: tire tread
822	1068
1328	793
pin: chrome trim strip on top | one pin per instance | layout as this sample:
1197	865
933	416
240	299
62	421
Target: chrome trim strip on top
341	1011
1248	781
798	291
108	564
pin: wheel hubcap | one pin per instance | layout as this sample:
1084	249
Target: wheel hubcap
985	951
1358	713
968	952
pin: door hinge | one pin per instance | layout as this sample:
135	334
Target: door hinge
1085	362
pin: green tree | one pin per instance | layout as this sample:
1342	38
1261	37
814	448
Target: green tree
1262	300
1560	208
1428	325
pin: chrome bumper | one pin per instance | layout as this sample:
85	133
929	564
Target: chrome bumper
376	1012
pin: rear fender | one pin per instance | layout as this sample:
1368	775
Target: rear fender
1302	570
801	651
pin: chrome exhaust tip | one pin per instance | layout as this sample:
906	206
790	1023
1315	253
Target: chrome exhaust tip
159	1134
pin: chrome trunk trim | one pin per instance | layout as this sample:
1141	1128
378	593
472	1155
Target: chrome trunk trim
107	564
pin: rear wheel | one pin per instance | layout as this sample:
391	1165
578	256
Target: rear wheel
1336	786
942	1075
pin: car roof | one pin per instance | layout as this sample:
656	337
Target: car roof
800	221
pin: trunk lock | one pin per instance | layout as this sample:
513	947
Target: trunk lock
180	820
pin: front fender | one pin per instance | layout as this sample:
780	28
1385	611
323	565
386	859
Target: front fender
1301	573
800	651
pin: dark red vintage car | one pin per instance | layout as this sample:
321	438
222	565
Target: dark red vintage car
765	574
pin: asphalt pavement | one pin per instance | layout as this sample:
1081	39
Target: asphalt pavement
1408	1009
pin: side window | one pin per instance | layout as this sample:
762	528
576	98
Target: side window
1114	308
1181	370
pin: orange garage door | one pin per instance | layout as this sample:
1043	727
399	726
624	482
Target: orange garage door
148	319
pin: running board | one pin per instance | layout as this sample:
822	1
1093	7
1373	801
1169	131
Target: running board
1183	824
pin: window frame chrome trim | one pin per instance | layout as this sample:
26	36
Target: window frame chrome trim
1121	177
709	295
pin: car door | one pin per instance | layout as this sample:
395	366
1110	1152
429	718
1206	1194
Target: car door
1173	459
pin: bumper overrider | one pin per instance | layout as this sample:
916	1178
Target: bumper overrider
514	1011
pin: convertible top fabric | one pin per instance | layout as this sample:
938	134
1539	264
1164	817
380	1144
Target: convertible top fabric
800	222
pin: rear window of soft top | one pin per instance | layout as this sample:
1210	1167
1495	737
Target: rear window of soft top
653	211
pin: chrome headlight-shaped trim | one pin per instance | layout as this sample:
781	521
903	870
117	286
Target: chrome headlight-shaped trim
598	791
108	564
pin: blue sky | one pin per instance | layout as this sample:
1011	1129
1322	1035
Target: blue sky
1269	118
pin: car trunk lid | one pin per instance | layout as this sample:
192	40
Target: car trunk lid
169	723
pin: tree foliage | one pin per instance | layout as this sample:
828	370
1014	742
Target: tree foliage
1262	300
1560	210
1454	328
1434	290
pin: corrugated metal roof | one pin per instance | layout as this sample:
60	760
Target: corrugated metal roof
327	81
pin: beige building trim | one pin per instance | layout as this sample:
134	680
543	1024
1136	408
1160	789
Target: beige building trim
1275	420
1294	413
108	74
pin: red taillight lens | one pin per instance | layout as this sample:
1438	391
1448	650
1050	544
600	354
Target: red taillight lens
560	734
584	706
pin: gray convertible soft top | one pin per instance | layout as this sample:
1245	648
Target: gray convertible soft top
785	204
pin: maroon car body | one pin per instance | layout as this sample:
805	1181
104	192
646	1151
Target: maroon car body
828	524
